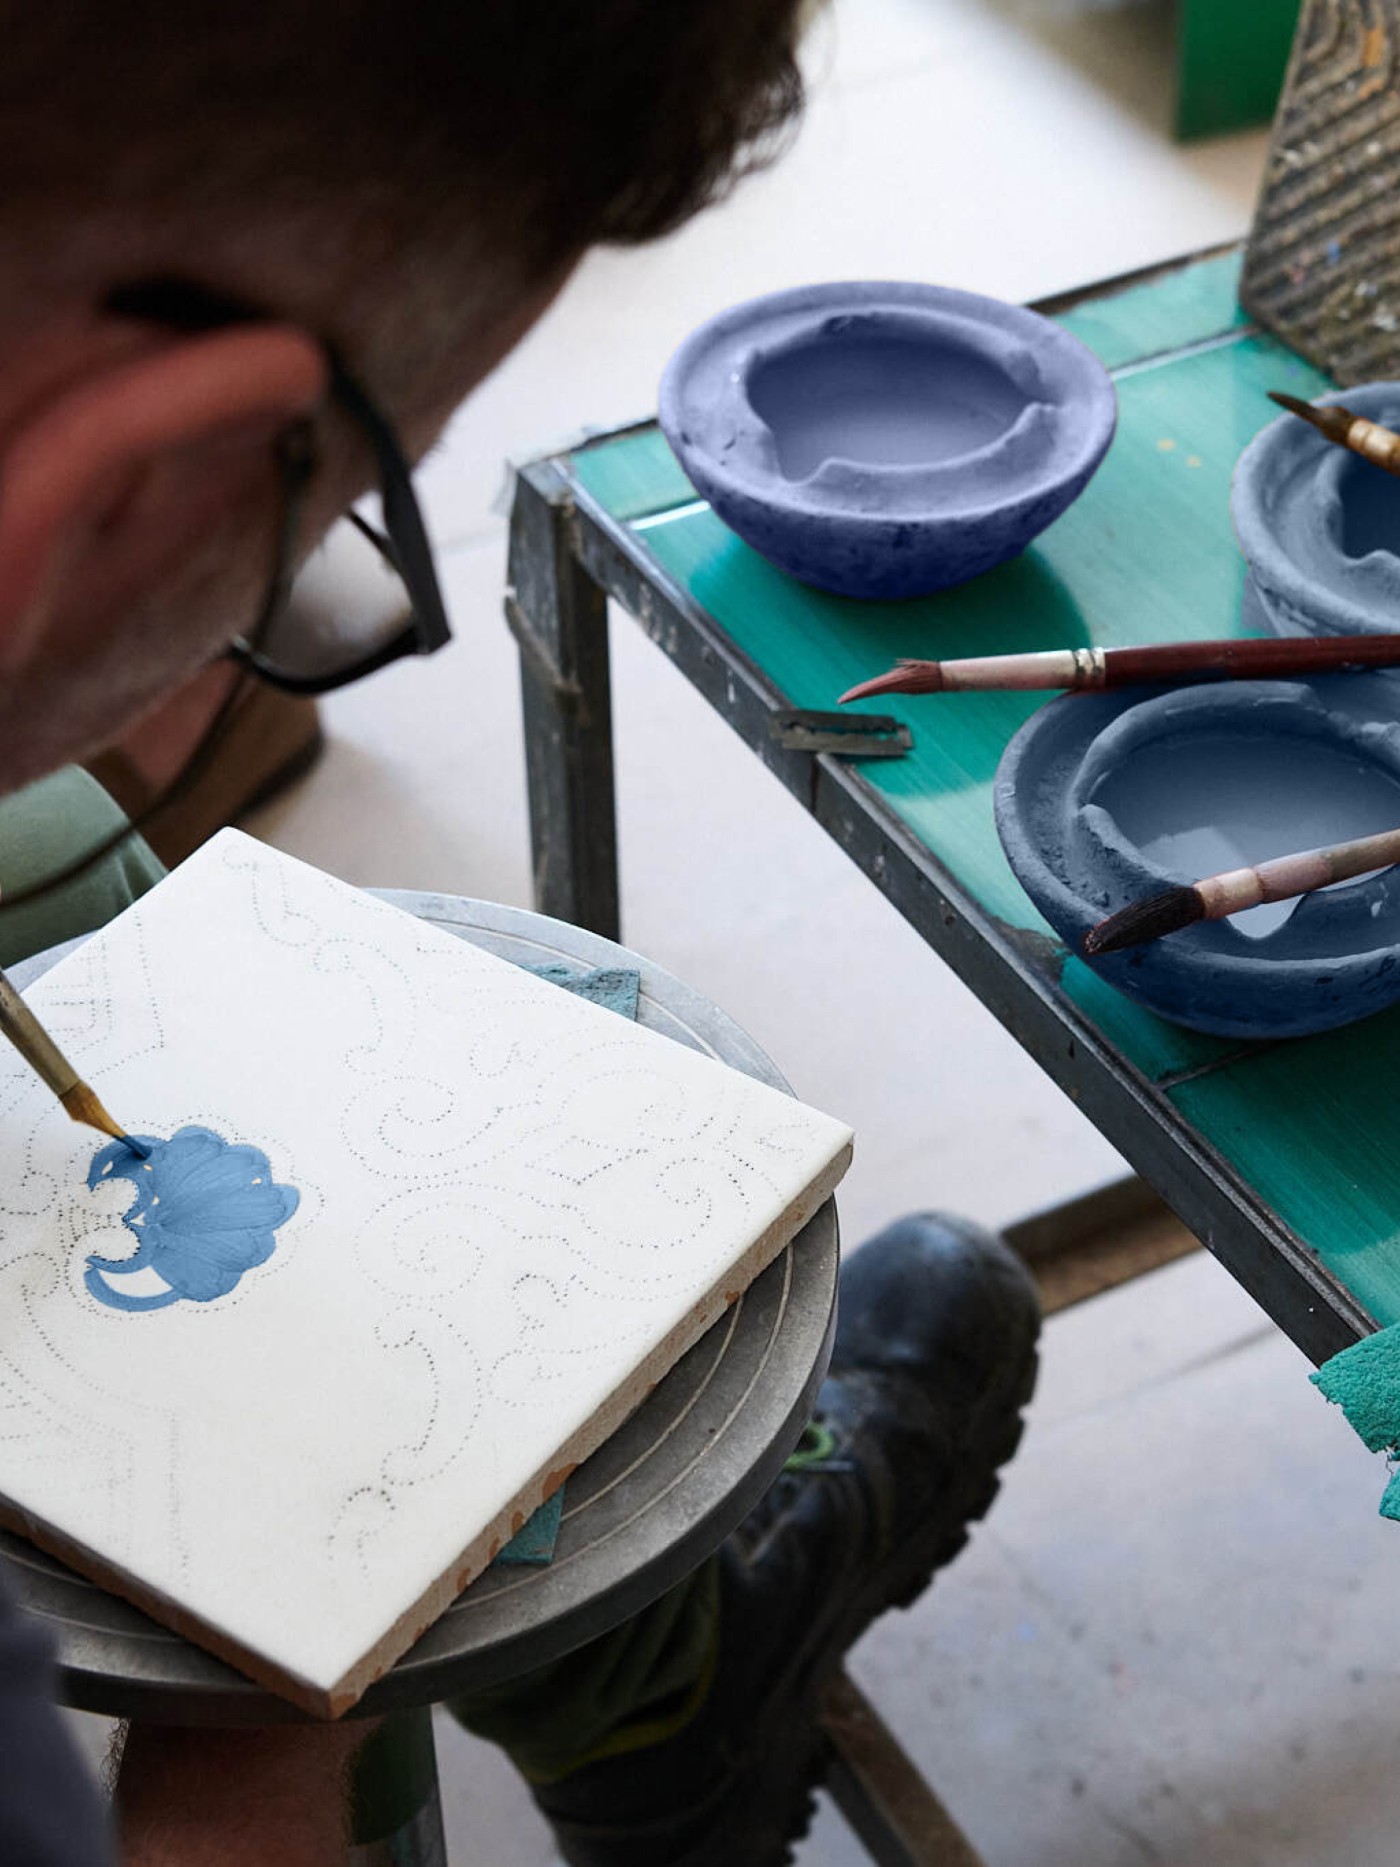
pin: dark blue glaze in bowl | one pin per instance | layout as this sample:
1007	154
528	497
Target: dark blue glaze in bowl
886	439
1103	799
1319	526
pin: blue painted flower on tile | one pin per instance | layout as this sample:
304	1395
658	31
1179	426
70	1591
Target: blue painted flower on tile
206	1210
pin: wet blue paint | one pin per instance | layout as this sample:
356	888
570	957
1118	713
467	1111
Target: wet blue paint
1230	799
1103	799
1319	526
884	440
206	1210
881	397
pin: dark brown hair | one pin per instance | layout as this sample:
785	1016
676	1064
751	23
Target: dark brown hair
553	124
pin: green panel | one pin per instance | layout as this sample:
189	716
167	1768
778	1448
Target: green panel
634	475
1187	306
1311	1125
1231	57
1158	1050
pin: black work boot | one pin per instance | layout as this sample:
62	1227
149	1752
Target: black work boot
935	1357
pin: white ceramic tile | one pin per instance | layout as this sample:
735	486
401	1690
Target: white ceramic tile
419	1230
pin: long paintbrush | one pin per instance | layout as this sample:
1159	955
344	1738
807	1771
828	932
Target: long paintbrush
1381	446
42	1054
1076	669
1094	669
1217	896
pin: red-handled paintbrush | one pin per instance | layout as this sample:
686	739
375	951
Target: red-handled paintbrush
1218	896
1094	669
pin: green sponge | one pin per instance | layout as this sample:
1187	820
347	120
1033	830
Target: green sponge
1364	1381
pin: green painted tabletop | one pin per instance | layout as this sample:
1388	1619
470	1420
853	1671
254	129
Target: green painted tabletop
1145	555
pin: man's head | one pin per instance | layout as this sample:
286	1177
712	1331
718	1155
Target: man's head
411	181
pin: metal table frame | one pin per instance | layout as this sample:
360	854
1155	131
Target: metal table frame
567	558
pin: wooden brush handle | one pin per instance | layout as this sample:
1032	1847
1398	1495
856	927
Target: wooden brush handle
1381	446
1242	659
32	1041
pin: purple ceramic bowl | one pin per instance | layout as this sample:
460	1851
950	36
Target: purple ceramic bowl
886	439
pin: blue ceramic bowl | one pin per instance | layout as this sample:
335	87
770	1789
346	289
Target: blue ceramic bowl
1102	799
886	440
1319	526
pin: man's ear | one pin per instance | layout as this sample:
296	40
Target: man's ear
70	469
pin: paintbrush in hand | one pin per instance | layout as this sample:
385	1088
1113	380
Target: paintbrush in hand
1257	658
42	1054
1381	446
1236	889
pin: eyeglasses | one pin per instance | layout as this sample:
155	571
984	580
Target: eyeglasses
301	648
282	648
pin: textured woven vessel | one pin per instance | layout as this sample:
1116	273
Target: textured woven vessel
1322	268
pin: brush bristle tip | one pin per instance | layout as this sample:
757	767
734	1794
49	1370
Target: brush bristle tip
1144	921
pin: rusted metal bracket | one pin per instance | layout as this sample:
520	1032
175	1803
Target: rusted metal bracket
853	735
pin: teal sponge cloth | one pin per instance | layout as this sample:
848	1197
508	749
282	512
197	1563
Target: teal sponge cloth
1364	1381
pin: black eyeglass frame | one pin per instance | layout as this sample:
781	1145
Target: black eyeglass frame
182	305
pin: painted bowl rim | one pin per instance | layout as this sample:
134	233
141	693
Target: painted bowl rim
1071	913
1080	380
1273	567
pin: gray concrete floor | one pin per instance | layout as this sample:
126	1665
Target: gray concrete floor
1168	1643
